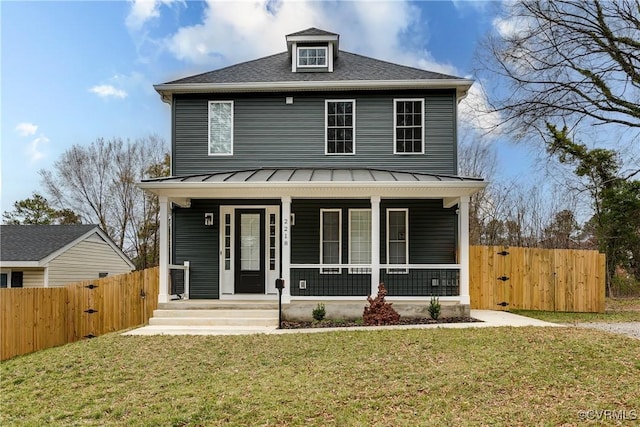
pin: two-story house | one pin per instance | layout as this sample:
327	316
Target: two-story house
331	170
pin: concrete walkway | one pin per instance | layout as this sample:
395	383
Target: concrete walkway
489	319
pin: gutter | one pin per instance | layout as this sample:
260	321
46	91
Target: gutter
167	90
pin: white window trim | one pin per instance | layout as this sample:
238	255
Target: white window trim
406	239
326	126
209	127
355	270
329	270
395	125
7	271
326	57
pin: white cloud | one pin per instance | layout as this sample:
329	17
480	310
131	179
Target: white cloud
143	11
475	112
26	129
35	148
222	38
105	91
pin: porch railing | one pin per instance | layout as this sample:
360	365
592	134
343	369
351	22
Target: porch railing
403	280
179	280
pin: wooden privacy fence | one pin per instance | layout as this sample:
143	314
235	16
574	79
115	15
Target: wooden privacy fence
37	318
536	279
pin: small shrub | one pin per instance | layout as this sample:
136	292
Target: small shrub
319	312
434	308
379	311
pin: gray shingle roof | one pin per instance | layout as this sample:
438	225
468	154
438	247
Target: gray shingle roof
302	175
35	242
347	67
312	32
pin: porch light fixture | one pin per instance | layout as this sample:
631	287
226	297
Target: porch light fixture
208	218
288	100
293	219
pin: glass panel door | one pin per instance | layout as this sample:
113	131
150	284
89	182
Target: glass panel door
250	242
249	254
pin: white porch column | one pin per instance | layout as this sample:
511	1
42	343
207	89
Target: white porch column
163	294
286	248
463	239
375	244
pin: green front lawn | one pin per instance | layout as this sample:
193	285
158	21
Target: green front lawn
496	376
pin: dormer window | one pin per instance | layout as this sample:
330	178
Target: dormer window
312	50
312	56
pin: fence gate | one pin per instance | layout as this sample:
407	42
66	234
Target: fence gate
502	273
502	278
84	301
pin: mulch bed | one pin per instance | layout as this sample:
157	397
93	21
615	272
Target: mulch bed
346	323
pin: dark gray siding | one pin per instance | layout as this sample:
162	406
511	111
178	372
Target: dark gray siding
269	133
432	231
198	244
432	240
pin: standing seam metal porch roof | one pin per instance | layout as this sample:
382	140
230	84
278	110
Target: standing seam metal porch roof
313	175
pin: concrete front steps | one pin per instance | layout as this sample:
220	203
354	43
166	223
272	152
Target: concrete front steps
237	314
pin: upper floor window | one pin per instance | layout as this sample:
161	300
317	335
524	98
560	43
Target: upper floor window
312	56
408	124
340	130
220	128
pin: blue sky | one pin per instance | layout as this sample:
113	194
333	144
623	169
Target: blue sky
72	72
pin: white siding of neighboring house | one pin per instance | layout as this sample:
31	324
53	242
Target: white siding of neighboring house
85	261
32	277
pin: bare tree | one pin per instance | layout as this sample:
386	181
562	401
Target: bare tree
98	182
564	61
476	158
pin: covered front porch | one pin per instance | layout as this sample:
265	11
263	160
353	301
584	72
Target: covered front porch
331	234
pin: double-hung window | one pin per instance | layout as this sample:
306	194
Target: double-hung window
340	126
408	123
312	56
330	239
360	239
220	128
397	238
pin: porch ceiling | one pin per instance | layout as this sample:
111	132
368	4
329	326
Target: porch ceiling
313	183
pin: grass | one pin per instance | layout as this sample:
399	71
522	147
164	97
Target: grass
617	310
496	376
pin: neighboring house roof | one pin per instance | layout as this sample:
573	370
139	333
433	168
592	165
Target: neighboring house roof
39	243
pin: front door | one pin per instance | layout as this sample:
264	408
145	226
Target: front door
249	251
